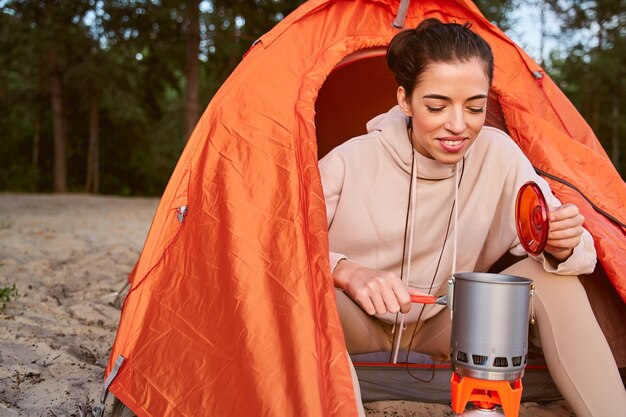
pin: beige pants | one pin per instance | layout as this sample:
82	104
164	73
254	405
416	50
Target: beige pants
578	357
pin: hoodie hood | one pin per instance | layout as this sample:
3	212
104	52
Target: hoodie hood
392	132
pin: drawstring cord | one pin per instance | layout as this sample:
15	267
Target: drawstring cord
399	327
455	235
457	183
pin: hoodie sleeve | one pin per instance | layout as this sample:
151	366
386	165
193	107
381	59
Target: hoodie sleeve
581	261
583	258
332	172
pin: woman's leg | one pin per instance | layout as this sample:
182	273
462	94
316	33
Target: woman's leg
578	356
362	332
432	336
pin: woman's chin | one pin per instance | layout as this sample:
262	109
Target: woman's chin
449	159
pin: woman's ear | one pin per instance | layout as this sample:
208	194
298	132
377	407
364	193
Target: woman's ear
403	101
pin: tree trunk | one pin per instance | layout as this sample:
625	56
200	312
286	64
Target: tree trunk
60	173
92	183
192	67
39	112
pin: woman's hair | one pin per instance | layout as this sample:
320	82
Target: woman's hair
432	41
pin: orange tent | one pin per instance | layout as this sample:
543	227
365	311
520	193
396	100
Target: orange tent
231	309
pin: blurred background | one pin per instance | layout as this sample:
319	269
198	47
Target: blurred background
101	96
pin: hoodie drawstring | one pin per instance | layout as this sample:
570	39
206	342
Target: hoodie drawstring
407	277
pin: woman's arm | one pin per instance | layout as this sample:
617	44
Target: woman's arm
376	291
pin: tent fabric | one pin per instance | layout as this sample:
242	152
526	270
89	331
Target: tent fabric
231	310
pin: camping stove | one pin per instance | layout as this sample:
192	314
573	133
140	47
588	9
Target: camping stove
489	341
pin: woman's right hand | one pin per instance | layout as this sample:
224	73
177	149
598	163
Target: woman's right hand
374	290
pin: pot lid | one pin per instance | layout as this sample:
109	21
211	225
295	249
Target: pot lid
532	218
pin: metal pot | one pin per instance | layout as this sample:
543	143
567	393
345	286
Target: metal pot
489	324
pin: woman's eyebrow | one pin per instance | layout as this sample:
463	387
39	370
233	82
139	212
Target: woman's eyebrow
440	97
436	96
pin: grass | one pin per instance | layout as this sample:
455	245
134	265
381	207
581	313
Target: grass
6	294
9	292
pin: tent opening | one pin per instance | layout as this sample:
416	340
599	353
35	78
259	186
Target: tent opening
359	88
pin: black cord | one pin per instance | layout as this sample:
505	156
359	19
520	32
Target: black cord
573	187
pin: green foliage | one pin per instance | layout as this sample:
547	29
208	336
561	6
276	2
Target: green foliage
128	57
6	295
590	67
497	11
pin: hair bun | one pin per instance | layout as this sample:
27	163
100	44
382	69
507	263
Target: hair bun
428	23
411	51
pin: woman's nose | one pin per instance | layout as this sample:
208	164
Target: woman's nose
456	122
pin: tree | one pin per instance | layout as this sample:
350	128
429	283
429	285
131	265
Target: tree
56	95
590	66
45	36
192	66
498	11
19	102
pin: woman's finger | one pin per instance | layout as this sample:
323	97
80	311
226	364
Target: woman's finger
367	305
563	212
379	303
572	232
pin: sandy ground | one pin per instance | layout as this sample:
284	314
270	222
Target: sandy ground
68	256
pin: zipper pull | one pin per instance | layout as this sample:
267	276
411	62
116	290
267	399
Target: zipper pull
181	212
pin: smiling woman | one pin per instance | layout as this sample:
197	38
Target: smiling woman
429	177
447	109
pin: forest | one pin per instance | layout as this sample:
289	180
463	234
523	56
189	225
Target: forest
100	96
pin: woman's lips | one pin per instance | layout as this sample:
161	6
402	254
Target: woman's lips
452	145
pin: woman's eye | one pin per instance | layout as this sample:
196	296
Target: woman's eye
434	109
476	109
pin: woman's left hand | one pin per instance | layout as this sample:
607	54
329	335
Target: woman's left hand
566	228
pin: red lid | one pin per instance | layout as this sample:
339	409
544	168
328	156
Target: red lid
532	218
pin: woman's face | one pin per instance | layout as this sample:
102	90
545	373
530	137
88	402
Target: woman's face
448	107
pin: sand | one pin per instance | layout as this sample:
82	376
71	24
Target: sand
68	257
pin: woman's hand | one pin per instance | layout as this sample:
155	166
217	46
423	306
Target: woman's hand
566	228
374	290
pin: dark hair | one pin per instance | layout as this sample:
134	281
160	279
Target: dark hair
412	50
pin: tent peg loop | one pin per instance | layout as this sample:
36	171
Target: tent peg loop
98	411
181	213
398	22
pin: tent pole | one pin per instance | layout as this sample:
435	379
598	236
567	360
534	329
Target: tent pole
398	22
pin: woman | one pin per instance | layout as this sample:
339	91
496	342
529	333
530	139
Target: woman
391	196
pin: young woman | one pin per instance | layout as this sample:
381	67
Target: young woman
391	196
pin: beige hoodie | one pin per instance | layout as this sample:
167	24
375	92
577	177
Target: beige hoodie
366	186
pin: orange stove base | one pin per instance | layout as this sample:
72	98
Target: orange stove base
485	394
